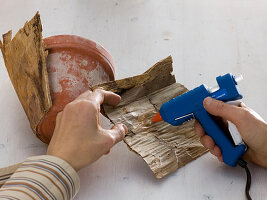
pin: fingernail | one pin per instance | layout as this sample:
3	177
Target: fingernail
208	101
125	128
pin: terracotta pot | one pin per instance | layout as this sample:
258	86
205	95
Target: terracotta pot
74	64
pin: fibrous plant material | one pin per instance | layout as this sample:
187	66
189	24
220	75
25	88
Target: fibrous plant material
25	60
164	148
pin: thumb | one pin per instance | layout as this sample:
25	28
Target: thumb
118	132
224	110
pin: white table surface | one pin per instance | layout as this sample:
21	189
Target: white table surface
206	38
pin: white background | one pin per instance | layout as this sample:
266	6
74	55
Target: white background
206	38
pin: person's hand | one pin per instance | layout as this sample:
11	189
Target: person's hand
79	138
252	129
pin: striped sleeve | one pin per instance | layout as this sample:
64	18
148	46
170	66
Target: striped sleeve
41	177
6	172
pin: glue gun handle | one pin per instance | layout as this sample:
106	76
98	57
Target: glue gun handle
231	153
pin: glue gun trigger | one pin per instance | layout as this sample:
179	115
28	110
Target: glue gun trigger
235	133
232	128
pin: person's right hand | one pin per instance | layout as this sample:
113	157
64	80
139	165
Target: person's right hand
79	138
252	129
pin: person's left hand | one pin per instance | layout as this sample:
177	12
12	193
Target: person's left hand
79	138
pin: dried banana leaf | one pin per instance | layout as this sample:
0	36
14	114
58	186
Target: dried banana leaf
164	148
25	60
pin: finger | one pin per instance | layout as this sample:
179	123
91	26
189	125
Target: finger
220	158
224	110
100	96
117	132
199	130
207	141
216	151
107	97
107	152
110	98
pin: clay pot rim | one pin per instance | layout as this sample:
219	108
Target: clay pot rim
78	42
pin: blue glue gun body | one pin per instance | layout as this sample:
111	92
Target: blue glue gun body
190	105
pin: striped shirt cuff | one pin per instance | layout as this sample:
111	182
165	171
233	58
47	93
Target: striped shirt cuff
42	177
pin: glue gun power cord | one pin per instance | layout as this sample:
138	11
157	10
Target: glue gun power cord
243	164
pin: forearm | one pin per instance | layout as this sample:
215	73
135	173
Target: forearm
41	177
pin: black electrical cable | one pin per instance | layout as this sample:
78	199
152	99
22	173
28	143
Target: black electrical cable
243	164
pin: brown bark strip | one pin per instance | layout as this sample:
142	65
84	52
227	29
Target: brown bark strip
25	60
164	148
157	75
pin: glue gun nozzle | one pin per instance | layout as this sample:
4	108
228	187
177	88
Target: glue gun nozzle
157	118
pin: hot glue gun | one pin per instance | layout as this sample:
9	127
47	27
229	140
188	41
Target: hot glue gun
190	105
